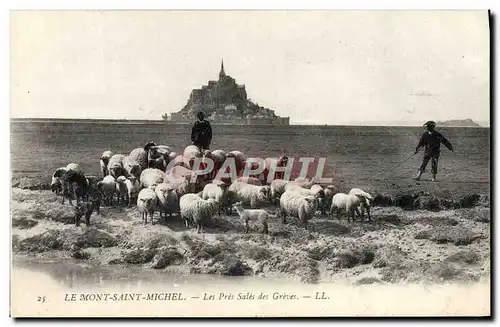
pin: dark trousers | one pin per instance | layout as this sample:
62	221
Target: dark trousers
434	162
202	144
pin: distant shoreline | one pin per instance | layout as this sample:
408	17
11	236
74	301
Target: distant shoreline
165	122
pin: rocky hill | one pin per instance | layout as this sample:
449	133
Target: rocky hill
458	123
226	102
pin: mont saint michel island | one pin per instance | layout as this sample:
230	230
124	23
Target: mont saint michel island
225	102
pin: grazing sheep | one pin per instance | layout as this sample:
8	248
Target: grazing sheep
56	184
140	155
348	203
249	180
297	205
104	161
75	167
151	177
133	188
366	204
168	202
121	190
251	195
147	203
74	184
115	165
83	209
184	179
217	191
316	191
248	215
131	167
278	187
108	188
195	209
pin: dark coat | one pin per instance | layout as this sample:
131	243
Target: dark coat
201	132
432	142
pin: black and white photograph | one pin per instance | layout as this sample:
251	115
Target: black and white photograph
250	163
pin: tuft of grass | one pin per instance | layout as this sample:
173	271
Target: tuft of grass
452	234
437	221
257	253
23	223
368	280
388	256
138	256
468	257
166	257
355	256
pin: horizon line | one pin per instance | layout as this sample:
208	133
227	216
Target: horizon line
363	123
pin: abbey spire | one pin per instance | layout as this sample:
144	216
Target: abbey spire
222	74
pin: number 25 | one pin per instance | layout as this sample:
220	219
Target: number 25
41	299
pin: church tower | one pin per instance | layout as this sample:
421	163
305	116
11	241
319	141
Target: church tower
222	74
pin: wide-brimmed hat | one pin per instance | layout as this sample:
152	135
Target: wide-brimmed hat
430	123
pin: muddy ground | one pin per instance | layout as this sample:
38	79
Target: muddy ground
412	238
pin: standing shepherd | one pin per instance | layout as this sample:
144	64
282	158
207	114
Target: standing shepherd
201	134
431	140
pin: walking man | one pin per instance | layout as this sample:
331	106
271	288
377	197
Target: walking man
431	140
201	133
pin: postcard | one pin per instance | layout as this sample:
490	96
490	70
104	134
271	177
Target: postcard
264	163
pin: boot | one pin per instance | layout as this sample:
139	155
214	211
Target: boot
433	177
419	174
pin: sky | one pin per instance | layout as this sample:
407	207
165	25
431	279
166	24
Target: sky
316	67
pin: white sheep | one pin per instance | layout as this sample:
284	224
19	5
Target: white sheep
277	188
115	165
348	203
151	177
121	190
217	191
168	201
103	161
140	155
108	188
304	183
147	203
366	204
75	167
297	205
255	215
191	153
249	180
251	195
316	191
195	209
131	167
184	179
133	188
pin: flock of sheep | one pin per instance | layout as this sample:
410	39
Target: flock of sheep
163	181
